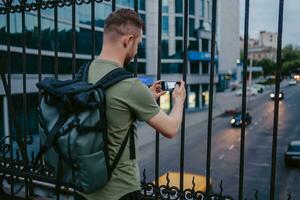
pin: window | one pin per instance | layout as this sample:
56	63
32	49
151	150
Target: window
170	68
194	67
205	68
142	49
165	48
194	45
141	67
205	45
165	6
192	7
142	5
194	96
179	48
165	25
192	32
178	6
202	8
179	26
143	17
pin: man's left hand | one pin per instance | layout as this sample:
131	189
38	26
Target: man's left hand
156	90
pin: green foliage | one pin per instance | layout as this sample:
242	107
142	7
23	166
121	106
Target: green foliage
268	65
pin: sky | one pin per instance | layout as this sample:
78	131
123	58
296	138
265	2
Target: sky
264	16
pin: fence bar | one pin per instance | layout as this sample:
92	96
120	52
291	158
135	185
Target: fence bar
158	77
25	105
245	65
184	70
135	67
55	40
113	5
276	103
93	28
39	44
211	93
73	38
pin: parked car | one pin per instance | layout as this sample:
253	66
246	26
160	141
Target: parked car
250	92
236	121
281	95
292	155
292	82
260	88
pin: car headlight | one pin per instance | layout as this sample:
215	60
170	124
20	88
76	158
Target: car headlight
232	121
272	95
280	95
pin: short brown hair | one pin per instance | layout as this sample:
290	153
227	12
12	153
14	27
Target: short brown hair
118	20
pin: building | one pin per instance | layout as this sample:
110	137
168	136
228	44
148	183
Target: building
227	41
200	17
265	47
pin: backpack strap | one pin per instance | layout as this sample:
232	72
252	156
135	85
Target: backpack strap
129	136
113	77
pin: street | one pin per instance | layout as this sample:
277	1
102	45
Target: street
225	152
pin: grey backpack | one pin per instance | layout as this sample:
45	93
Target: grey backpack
73	130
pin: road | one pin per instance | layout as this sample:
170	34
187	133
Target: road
225	151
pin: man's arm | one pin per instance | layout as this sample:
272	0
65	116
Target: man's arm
168	125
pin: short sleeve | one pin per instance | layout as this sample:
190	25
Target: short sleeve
141	101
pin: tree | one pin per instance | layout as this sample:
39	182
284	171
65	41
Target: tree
268	66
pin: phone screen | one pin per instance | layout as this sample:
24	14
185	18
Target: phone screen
168	85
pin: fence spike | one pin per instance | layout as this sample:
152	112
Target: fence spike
221	187
193	183
256	195
289	196
168	180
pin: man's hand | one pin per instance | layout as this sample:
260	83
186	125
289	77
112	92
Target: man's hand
156	90
179	93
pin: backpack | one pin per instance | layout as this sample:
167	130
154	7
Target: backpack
73	130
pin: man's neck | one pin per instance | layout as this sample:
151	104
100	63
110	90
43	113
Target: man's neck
111	56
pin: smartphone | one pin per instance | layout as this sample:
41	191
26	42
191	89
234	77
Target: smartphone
169	85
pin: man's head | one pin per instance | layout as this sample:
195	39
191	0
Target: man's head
123	30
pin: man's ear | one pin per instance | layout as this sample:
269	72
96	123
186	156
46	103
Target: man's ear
127	40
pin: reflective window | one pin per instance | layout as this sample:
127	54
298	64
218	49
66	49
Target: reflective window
205	45
202	8
192	31
179	26
205	67
194	45
141	67
192	7
142	5
165	25
165	6
128	3
194	66
170	68
178	6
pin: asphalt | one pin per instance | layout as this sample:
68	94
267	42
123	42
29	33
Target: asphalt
225	151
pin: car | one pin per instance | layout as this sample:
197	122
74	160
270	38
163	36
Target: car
292	82
292	155
281	95
250	92
236	120
260	88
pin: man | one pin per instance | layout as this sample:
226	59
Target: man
128	101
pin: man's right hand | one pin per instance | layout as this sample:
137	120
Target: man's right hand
179	93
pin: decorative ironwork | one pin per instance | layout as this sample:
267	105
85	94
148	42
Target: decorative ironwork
164	192
23	5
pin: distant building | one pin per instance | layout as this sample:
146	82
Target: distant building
262	48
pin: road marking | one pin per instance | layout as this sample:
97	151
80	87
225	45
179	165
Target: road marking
260	164
255	123
259	119
231	147
221	157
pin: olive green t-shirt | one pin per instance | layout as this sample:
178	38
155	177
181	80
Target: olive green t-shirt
126	102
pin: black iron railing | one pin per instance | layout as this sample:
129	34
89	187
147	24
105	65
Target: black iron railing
17	174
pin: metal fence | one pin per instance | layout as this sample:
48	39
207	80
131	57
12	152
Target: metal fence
18	176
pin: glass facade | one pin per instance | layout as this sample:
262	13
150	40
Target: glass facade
179	26
178	6
165	25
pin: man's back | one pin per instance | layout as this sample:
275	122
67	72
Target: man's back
125	102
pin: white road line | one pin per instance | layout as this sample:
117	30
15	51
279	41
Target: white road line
255	123
260	164
231	147
221	157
